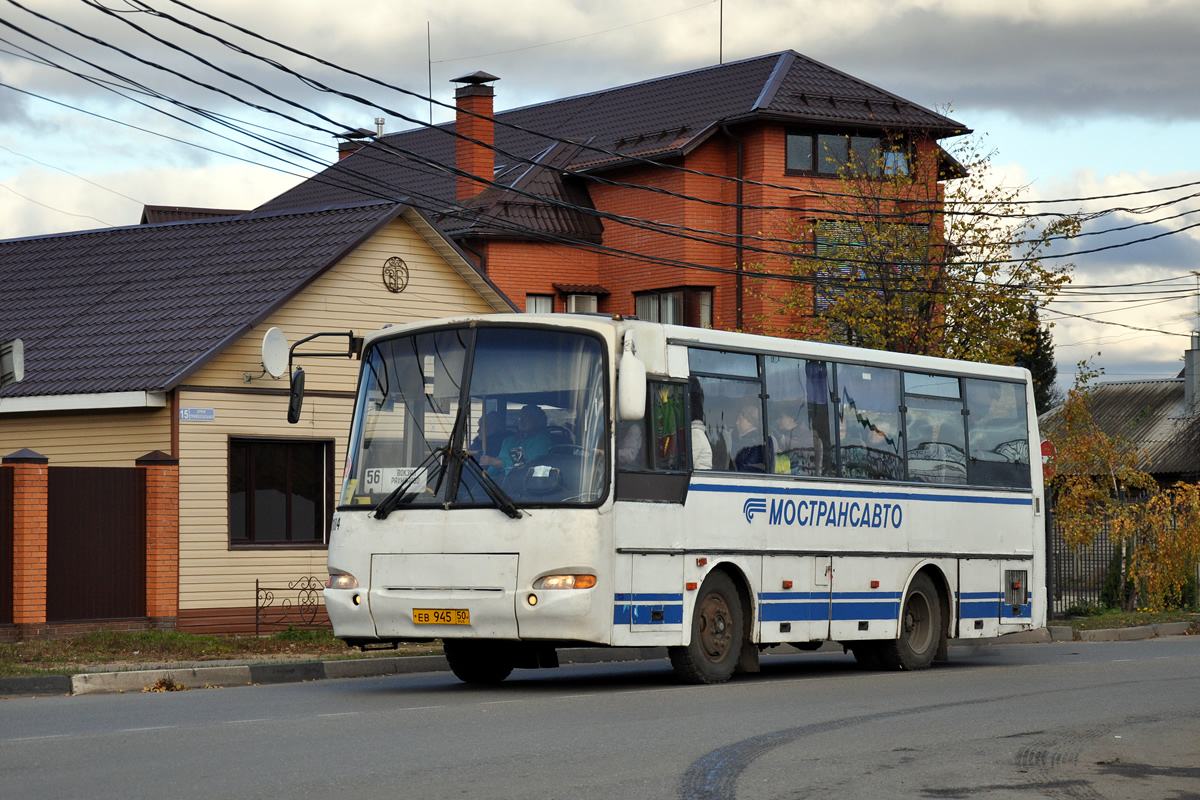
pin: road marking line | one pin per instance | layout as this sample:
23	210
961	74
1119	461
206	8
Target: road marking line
151	728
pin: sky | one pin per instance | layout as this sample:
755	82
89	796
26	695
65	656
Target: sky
1076	99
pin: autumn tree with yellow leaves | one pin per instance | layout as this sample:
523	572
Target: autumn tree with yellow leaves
1098	483
881	266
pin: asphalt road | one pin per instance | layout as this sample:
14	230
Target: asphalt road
1084	721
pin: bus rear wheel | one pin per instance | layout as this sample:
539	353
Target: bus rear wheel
479	662
717	634
920	628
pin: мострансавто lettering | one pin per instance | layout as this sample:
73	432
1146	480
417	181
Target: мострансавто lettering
835	514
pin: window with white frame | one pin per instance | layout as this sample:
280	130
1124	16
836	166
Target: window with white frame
684	306
539	303
581	303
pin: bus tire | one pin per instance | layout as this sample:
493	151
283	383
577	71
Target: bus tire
920	628
717	634
478	662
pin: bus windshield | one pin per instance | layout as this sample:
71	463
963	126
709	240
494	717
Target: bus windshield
529	419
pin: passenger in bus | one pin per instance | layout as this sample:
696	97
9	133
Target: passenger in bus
789	441
702	452
750	453
491	434
531	441
818	403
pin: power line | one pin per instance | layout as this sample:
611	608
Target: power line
627	220
73	175
52	208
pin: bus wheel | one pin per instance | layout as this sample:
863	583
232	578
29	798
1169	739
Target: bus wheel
717	634
479	662
920	628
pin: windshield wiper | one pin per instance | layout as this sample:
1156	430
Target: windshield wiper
501	498
399	494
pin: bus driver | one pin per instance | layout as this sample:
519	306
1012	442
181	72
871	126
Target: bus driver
531	441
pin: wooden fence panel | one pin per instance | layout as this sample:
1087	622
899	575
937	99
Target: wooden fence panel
95	544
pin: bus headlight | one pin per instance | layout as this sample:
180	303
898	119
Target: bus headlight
341	580
565	582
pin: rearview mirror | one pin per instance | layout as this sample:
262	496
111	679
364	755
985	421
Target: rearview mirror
631	384
296	401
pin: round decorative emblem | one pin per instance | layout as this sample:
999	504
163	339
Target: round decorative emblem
395	274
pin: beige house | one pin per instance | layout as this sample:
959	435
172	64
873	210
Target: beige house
146	343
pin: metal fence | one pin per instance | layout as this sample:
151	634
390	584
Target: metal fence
297	605
1077	576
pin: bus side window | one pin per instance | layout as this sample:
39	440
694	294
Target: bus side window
936	434
631	445
670	429
659	441
997	434
870	441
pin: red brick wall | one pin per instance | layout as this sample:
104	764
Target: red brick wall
770	198
162	535
30	493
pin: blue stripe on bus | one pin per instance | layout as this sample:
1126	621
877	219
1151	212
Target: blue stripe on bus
848	611
794	595
990	604
814	492
1024	611
990	608
639	608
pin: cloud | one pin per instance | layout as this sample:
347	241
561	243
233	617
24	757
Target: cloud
1035	60
51	202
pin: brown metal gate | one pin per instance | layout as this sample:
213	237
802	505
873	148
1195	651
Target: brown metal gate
6	545
95	544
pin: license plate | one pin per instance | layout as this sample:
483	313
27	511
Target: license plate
441	616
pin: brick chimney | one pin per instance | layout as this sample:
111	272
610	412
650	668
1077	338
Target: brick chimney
473	120
352	141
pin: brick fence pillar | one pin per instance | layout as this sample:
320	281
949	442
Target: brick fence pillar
30	497
162	537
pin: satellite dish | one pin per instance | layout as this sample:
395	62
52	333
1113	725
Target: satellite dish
275	353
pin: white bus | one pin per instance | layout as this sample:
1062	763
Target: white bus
520	483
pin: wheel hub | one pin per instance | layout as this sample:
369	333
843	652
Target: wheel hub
715	628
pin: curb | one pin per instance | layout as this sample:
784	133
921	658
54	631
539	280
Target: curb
226	675
1132	634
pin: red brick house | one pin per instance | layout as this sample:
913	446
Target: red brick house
651	198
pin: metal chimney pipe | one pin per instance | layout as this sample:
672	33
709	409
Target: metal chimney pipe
1191	376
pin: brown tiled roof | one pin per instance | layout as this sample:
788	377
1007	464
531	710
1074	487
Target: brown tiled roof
1149	415
140	308
152	215
659	118
581	288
